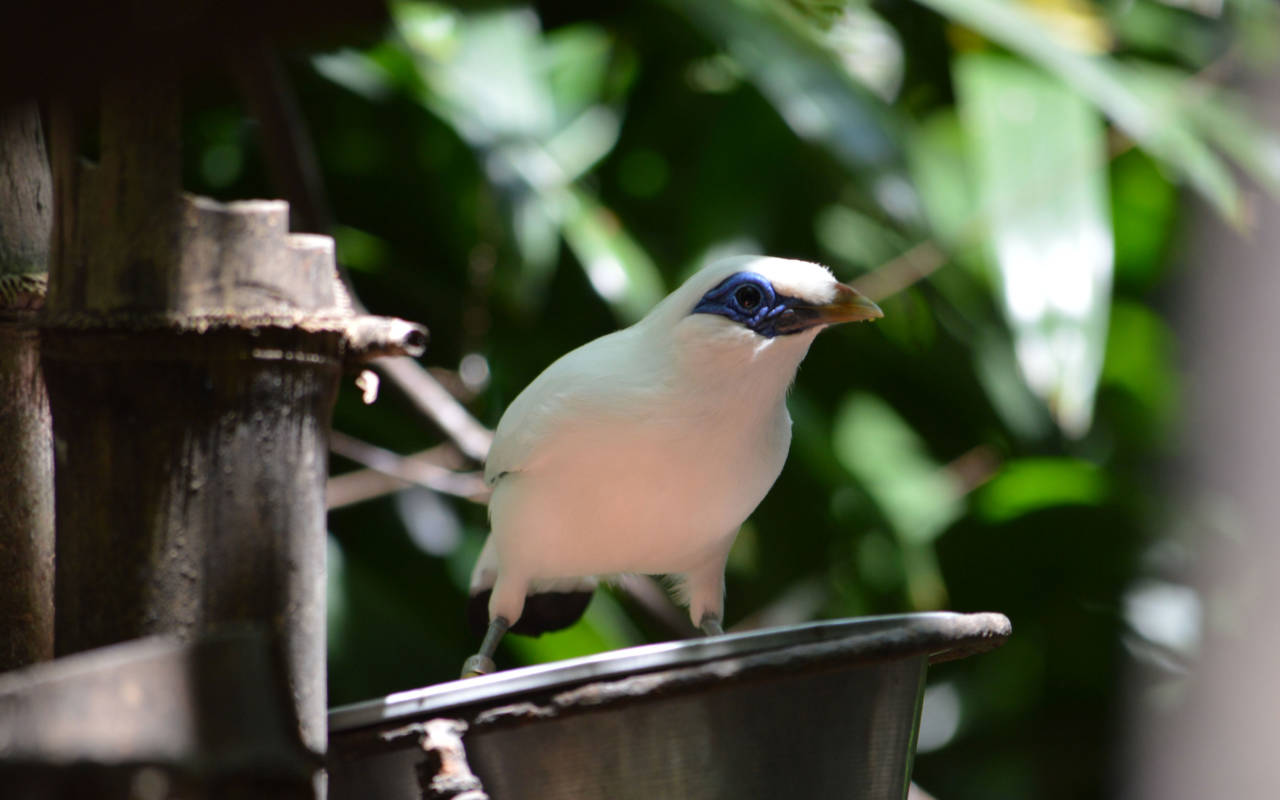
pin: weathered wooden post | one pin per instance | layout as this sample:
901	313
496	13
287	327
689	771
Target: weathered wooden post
192	351
26	454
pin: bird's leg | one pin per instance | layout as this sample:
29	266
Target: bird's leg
482	662
705	586
710	625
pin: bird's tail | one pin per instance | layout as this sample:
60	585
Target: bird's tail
549	606
546	610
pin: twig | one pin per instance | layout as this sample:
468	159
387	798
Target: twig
433	400
360	486
647	593
388	472
799	602
912	265
974	467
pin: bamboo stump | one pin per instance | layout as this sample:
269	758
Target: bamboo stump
192	351
26	453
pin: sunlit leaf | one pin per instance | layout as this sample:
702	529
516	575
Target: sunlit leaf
488	84
356	72
1155	28
868	48
890	461
1030	484
582	143
1077	23
802	79
939	159
1222	119
1104	82
618	268
1040	158
576	61
536	225
430	28
530	105
996	368
857	238
918	498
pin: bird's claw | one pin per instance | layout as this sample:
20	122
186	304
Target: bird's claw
478	664
711	626
482	662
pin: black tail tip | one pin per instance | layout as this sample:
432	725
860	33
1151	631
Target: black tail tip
543	612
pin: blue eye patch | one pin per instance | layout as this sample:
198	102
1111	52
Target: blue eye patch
749	299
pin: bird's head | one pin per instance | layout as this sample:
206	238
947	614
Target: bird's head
754	308
778	297
760	298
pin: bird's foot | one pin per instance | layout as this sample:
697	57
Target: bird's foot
711	626
477	665
482	662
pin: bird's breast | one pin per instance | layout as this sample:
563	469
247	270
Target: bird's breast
653	493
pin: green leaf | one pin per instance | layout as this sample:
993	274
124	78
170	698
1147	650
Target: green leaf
576	59
918	498
1140	361
939	161
1144	212
1107	84
359	250
619	269
1040	160
604	627
857	238
529	104
803	79
878	447
1156	28
355	72
1030	484
1221	117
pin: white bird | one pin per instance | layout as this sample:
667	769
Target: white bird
645	450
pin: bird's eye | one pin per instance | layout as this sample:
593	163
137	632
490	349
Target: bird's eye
747	297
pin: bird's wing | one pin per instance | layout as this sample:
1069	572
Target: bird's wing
586	383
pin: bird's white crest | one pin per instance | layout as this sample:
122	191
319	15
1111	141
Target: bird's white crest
804	280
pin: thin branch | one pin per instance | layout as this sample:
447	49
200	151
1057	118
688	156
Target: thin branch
360	486
974	467
799	602
390	472
433	400
647	593
911	266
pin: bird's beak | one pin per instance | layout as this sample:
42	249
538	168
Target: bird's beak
849	305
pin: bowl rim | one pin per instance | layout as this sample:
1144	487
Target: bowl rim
942	635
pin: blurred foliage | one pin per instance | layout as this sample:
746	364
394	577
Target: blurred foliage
524	178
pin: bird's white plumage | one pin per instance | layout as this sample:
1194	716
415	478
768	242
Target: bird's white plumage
645	450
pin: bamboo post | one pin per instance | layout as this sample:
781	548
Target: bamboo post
26	454
192	351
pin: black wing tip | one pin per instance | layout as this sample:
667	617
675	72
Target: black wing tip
543	612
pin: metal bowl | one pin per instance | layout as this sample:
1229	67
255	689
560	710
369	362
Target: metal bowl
828	709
